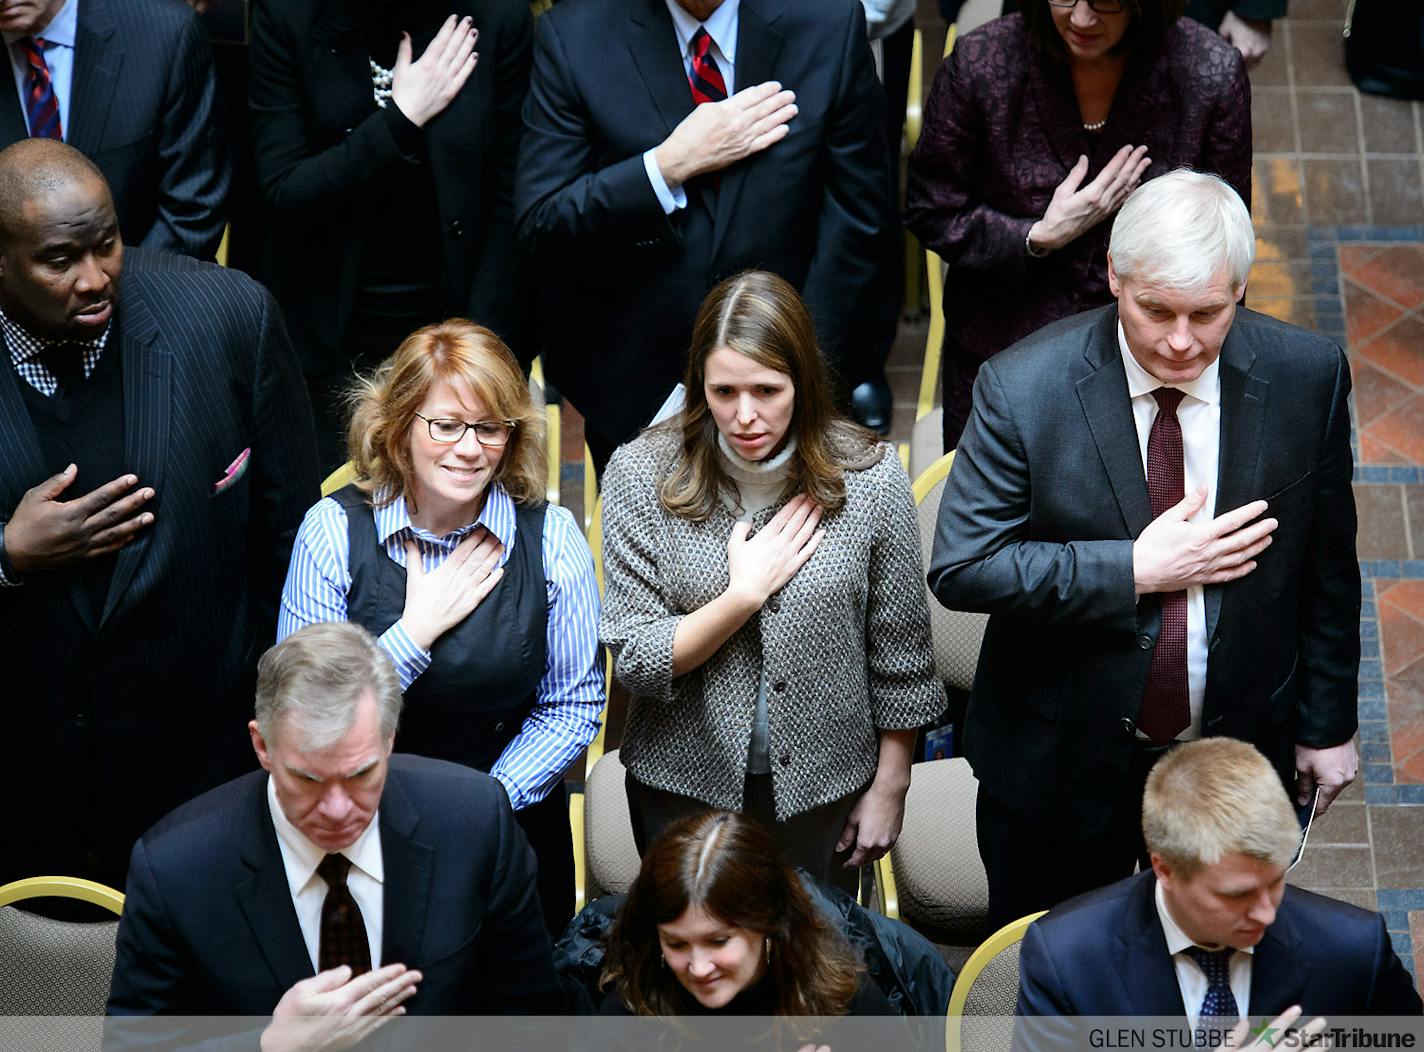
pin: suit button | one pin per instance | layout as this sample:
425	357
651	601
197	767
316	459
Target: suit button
1128	727
786	759
1144	642
774	604
80	720
350	131
499	726
457	229
779	686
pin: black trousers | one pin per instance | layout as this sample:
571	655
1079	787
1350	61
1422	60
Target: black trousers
546	826
1035	863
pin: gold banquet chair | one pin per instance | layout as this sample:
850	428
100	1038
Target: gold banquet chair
53	968
933	877
981	1008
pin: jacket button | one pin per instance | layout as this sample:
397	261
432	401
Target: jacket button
1144	642
786	759
457	229
774	603
350	131
779	686
1128	727
499	726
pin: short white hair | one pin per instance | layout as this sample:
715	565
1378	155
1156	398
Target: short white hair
1180	229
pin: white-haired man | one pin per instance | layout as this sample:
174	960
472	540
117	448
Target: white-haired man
1152	501
339	880
1211	932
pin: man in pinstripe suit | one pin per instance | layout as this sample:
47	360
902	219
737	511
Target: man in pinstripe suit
156	456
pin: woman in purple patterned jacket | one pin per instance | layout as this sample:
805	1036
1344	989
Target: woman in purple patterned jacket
1038	126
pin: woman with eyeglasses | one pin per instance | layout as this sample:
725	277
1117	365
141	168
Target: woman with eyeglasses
1037	128
482	594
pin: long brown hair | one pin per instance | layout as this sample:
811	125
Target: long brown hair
729	866
384	405
760	315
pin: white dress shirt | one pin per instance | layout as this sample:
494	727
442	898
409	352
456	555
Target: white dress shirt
721	26
366	879
1200	417
1191	979
59	57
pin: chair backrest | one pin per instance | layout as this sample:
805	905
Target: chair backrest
981	1009
939	880
53	967
610	853
342	476
956	635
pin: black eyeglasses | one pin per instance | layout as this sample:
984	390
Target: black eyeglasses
447	430
1102	7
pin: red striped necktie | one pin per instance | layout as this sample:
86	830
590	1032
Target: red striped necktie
41	105
706	79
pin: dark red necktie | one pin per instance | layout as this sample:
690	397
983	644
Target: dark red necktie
1166	707
41	105
343	929
706	79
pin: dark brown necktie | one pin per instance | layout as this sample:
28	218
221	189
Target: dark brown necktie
1166	707
343	930
65	362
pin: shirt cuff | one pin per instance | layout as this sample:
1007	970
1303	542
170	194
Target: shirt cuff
670	199
409	659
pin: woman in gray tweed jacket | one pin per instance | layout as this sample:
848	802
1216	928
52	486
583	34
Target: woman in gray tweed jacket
764	602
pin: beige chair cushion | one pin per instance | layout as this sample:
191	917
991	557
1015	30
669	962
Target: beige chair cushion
956	635
939	878
51	967
610	854
988	1022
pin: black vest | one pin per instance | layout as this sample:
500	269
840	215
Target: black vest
469	704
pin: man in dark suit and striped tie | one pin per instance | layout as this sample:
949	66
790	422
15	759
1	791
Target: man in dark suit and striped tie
156	456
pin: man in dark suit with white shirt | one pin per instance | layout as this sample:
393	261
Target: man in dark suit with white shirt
669	144
1211	932
156	458
1153	503
340	880
130	83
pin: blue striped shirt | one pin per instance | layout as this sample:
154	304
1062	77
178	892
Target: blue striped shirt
570	694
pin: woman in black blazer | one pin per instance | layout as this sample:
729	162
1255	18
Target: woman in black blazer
385	136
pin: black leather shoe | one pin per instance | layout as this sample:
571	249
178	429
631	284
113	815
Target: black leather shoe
871	404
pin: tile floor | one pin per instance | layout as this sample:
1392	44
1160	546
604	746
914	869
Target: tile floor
1338	198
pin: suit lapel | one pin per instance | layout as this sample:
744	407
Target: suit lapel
1243	418
1108	408
1050	92
409	865
758	48
98	58
652	45
265	898
1278	969
1142	960
147	406
13	127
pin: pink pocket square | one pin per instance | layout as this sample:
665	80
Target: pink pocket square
234	471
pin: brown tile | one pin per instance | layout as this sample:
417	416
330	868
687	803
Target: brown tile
1297	311
1399	350
904	382
1273	280
1416	933
1410	771
1354	793
1407	595
1401	636
1335	192
1277	195
1396	191
1323	866
1317	55
1388	125
1274	69
1342	824
1275	242
1383	533
1272	121
1372	452
1365	313
1403	429
1397	273
1301	10
1405	713
1398	834
1327	122
1376	393
1414	512
1352	257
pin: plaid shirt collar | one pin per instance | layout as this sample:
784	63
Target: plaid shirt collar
25	349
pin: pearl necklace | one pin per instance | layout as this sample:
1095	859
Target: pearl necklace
381	80
1095	126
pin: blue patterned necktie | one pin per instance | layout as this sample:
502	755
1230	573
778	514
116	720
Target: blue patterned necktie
1218	1007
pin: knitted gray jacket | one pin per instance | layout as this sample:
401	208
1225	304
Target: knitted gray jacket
845	644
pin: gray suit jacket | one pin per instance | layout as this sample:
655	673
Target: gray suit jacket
143	107
1036	529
